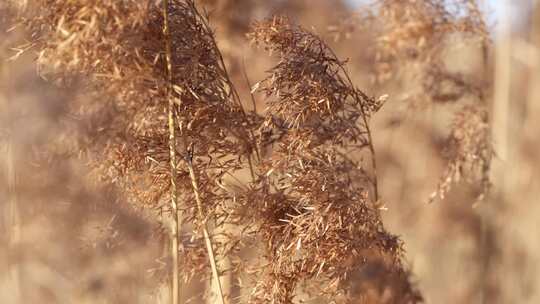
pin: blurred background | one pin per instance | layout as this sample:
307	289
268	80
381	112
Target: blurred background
66	237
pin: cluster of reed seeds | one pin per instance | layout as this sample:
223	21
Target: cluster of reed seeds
317	204
413	37
161	119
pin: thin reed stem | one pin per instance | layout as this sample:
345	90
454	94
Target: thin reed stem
14	221
12	212
533	106
484	216
373	157
254	104
365	120
501	126
175	226
371	145
246	78
503	70
232	89
207	239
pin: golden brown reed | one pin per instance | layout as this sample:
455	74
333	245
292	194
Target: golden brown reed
319	222
313	200
423	53
118	47
412	39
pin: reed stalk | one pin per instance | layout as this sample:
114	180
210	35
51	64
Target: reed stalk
202	218
175	284
534	68
502	86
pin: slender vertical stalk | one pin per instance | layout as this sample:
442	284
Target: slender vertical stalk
483	216
207	239
503	70
175	226
371	145
373	156
533	97
500	125
12	211
14	219
365	119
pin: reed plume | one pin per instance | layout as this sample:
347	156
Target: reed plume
161	112
320	220
411	39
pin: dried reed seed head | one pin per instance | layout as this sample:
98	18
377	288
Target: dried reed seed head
313	193
95	37
443	86
309	84
119	45
468	153
117	49
413	35
315	213
416	28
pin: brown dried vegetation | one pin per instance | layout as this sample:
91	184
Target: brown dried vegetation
296	183
319	221
412	38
